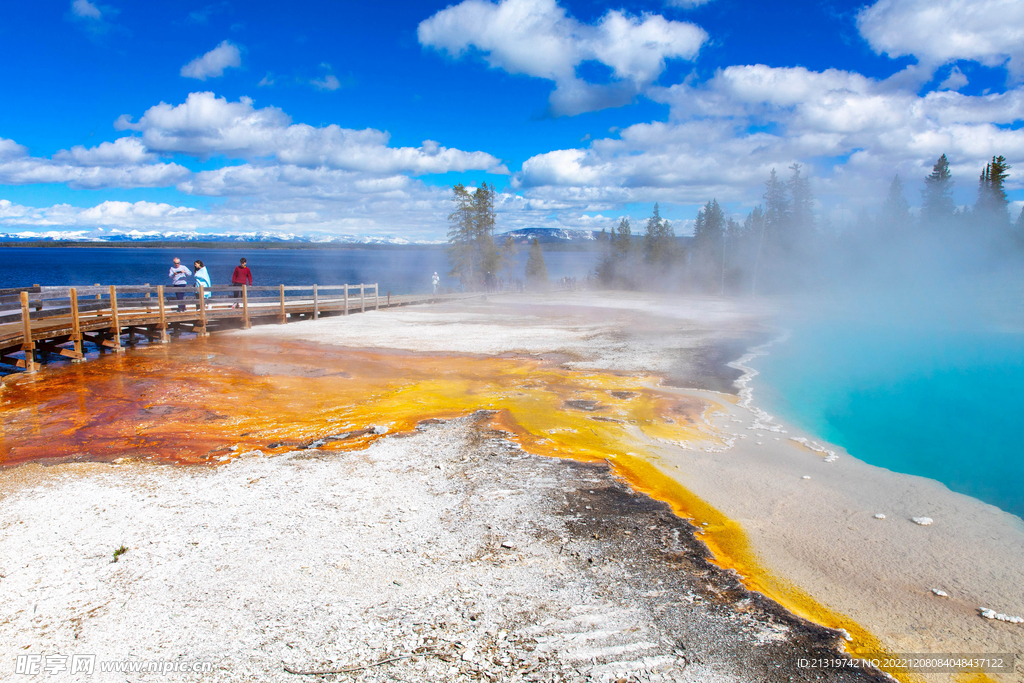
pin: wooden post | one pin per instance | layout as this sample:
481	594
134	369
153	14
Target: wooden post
115	323
98	296
201	331
147	297
316	304
163	314
376	296
27	344
246	324
76	329
284	313
362	298
39	301
346	298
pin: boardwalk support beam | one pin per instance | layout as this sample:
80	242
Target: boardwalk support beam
27	346
76	326
163	315
115	324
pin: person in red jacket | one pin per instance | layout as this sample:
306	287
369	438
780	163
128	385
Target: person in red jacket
241	276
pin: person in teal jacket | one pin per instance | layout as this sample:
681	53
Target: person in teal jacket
202	278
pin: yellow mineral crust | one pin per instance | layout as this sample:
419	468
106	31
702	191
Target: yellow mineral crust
213	400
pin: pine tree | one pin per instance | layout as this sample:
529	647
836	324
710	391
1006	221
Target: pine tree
992	201
895	211
776	206
461	233
659	241
937	197
801	223
536	270
623	240
472	254
489	258
708	236
771	245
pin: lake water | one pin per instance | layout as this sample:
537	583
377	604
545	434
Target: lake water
912	395
398	270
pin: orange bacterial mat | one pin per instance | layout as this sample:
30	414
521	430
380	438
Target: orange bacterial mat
209	400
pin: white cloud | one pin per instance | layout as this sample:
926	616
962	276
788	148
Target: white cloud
122	151
538	38
724	136
9	149
266	80
85	9
686	4
955	80
32	170
205	125
122	163
328	82
213	63
940	31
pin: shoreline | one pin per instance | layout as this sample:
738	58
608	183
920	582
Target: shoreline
759	485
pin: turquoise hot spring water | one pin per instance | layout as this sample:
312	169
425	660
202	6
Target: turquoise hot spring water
912	394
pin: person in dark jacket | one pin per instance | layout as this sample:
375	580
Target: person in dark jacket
241	276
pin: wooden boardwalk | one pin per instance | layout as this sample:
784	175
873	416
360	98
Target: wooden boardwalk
36	322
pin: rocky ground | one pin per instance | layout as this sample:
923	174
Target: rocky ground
451	552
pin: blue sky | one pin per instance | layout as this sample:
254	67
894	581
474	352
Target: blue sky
356	118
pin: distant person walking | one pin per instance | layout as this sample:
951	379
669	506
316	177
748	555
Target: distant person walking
241	276
202	278
436	280
179	275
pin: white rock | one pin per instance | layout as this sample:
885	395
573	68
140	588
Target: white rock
940	593
806	476
507	544
923	521
998	616
879	516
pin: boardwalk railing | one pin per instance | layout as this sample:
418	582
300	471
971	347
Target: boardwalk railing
36	321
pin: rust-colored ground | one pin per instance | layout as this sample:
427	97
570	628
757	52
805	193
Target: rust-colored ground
210	400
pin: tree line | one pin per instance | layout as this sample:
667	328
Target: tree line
781	246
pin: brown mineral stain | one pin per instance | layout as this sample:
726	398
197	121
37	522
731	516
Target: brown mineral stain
210	400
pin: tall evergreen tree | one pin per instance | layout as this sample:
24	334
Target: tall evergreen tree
472	254
623	240
776	206
659	241
992	201
775	220
461	235
490	258
937	197
710	226
801	219
895	211
708	246
536	270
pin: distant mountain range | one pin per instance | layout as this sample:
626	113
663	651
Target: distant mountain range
156	236
525	236
546	235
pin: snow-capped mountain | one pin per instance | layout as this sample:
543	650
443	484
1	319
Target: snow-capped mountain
546	235
116	236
